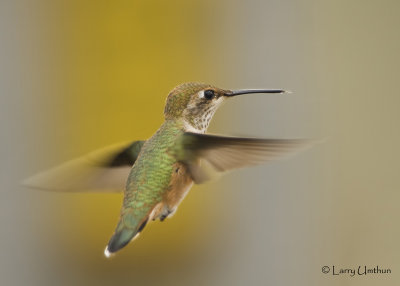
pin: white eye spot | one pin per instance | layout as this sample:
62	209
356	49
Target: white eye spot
201	94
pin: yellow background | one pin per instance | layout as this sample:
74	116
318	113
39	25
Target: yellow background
79	75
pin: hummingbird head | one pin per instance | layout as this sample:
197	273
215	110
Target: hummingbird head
196	103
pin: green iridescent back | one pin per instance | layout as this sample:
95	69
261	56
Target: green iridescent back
152	171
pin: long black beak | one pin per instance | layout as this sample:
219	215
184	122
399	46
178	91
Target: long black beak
247	91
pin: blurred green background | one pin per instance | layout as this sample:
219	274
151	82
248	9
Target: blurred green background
79	75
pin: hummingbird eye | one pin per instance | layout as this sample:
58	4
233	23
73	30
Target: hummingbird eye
209	94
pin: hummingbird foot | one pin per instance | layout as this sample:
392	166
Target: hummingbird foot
163	217
166	213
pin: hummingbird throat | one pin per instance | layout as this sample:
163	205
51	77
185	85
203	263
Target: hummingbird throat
197	119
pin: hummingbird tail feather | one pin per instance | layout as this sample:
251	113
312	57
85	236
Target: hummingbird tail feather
124	234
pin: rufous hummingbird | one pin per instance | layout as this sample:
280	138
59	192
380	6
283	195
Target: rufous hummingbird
159	172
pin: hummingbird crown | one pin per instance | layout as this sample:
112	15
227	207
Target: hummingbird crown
195	103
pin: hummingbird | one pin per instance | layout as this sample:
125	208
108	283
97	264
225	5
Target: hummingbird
156	174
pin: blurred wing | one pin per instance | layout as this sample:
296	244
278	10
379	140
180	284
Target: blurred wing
227	153
104	170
